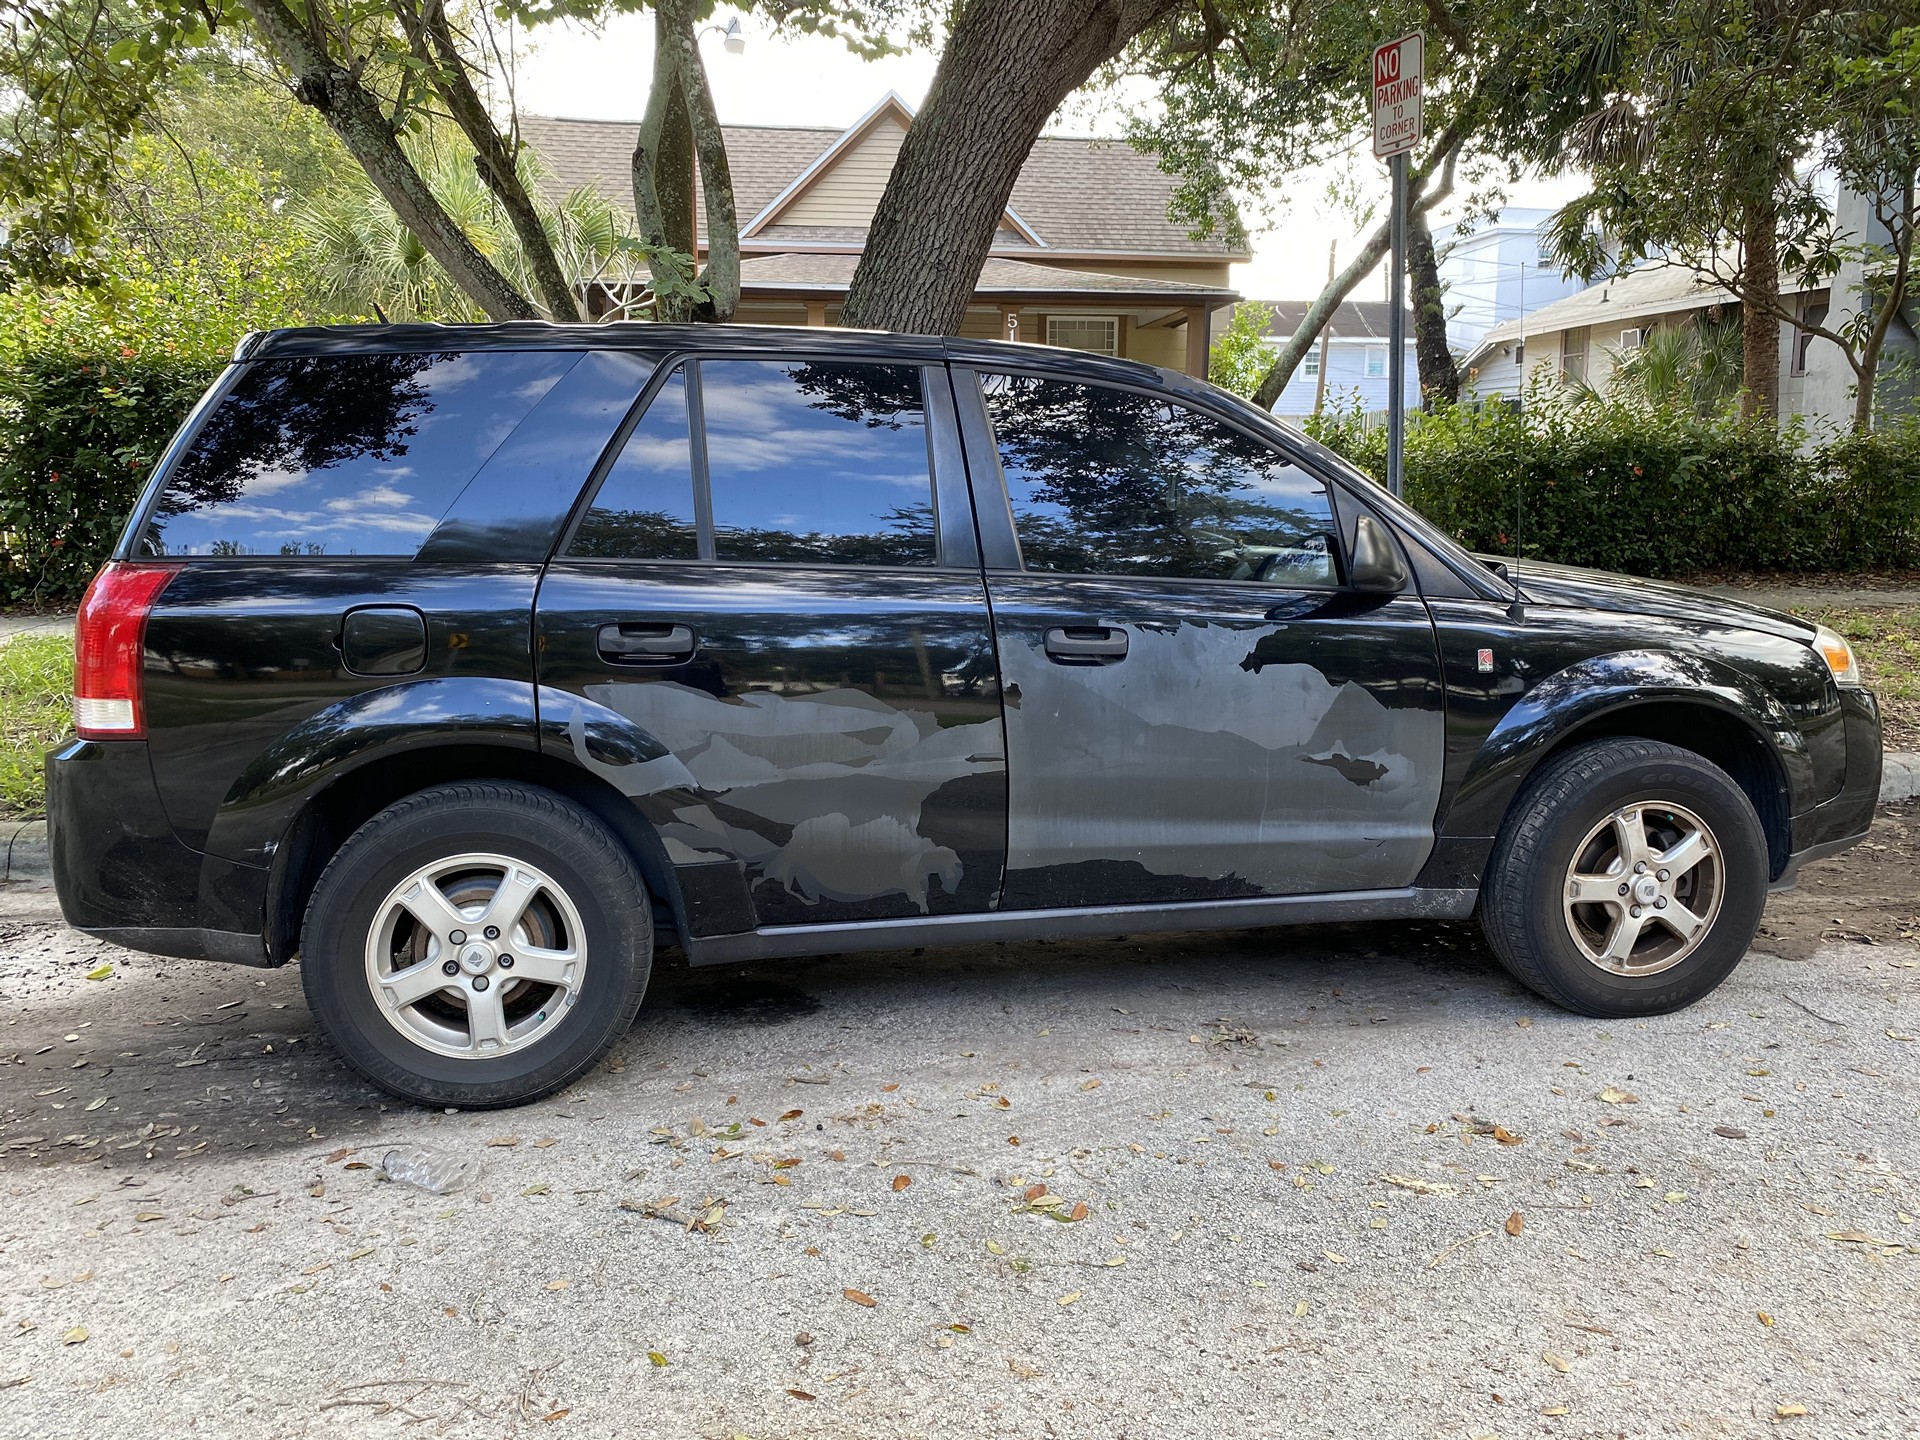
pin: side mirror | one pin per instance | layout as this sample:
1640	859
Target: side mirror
1377	565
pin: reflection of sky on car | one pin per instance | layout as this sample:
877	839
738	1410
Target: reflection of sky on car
459	409
779	460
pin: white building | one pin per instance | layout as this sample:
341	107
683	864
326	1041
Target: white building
1497	272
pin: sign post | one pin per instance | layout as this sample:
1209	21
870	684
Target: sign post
1398	72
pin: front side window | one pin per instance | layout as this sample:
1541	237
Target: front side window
818	461
343	454
1376	361
1106	481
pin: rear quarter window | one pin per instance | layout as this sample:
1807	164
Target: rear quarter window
343	454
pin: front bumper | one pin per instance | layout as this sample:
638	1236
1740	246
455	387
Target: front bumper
1842	822
123	875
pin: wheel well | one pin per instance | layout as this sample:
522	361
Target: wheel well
1729	742
330	817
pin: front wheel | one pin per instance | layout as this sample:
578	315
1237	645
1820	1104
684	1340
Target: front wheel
1628	880
477	944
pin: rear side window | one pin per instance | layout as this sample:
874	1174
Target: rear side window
1106	481
802	462
344	454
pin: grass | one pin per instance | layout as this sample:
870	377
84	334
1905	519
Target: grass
36	679
1887	645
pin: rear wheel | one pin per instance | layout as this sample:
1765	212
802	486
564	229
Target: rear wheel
1629	879
477	944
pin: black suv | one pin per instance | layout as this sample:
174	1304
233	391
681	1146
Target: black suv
461	661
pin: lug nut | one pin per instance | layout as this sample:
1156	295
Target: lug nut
1661	903
1662	876
1634	911
1624	889
506	962
479	982
457	937
451	967
493	932
1640	867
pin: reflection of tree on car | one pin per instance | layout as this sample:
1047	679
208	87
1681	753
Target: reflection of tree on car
1106	481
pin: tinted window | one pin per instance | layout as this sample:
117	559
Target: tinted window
644	509
818	461
1109	482
343	455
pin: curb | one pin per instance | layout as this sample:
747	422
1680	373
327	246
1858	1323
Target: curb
23	848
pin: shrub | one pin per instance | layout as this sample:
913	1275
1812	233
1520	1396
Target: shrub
1653	489
92	385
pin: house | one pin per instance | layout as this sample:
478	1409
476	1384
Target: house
1498	271
1084	257
1584	336
1356	352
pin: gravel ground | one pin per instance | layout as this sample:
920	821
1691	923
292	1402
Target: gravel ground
1343	1181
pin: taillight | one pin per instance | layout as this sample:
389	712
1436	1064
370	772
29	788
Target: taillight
108	639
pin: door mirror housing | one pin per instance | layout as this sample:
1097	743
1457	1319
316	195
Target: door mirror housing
1377	564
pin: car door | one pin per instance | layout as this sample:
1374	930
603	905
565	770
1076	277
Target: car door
1197	706
776	584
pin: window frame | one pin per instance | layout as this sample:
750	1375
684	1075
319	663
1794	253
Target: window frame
1109	320
1379	354
999	532
956	545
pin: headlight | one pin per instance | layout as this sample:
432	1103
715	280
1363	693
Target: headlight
1839	657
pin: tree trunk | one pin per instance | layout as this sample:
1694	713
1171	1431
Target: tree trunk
1759	330
1007	66
432	39
1307	333
355	116
721	277
1439	376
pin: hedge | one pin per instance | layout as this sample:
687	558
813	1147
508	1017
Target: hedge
1655	491
92	386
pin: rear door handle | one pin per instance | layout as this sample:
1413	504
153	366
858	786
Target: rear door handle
633	643
1086	645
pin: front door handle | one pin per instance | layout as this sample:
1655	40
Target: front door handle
1087	645
631	643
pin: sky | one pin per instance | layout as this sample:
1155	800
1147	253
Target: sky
579	73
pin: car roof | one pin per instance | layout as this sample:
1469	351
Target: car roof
314	340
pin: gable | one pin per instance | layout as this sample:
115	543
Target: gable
847	190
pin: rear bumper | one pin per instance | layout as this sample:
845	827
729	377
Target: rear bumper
1842	822
123	875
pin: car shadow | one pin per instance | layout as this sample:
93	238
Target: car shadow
170	1060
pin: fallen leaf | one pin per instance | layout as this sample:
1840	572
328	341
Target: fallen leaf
557	1284
994	1247
901	1182
1554	1410
1857	1237
1791	1411
101	971
1619	1097
1764	1318
502	1142
76	1336
96	1102
1299	1309
547	1144
1419	1186
1558	1362
659	1360
560	1414
1505	1136
1068	1298
1515	1224
1090	1085
1079	1211
860	1297
1034	1192
799	1394
793	1115
1729	1132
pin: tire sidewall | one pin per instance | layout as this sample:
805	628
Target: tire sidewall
1742	853
347	904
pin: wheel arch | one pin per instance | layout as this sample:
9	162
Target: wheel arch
1690	702
331	814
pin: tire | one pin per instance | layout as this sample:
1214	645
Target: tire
527	1009
1553	922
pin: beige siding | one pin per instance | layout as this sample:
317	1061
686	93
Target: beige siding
1164	345
847	192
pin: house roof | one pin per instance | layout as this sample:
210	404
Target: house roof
1000	278
1352	319
1643	293
1073	196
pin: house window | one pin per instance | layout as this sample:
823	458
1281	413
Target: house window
1803	339
1519	354
1573	355
1632	339
1376	361
1098	334
1310	367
